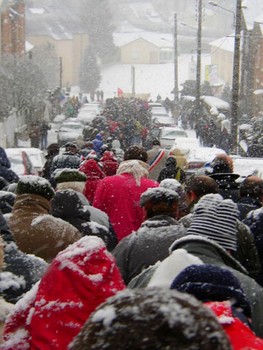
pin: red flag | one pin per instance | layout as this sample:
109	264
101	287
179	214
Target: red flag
119	92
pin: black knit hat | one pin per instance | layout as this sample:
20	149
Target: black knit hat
70	175
136	152
212	283
35	185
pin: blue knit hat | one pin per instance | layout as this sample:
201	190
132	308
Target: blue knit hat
212	283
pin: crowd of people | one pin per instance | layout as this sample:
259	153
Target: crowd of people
109	251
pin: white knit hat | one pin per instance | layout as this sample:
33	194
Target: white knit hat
216	218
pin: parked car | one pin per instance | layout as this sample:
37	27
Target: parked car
168	135
86	116
37	158
198	157
245	166
70	132
20	161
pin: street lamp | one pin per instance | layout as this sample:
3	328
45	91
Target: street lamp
223	8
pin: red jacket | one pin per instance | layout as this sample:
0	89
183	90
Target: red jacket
109	163
94	174
119	197
78	280
240	335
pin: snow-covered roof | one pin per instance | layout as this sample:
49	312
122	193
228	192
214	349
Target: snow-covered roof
252	12
226	43
58	22
161	40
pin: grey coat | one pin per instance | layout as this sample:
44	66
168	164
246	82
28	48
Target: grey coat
146	246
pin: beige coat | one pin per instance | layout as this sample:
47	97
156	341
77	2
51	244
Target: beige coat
152	153
180	158
36	231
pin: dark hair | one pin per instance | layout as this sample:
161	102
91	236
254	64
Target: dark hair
156	142
252	187
201	185
136	152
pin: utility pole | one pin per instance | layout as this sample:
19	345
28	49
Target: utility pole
198	61
235	79
60	72
175	67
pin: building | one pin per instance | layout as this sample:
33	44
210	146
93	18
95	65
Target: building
12	28
144	48
59	27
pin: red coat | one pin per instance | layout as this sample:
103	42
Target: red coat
94	174
78	280
119	197
241	337
109	163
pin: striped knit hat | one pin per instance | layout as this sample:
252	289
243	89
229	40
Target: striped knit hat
216	218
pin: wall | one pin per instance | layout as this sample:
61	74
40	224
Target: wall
139	51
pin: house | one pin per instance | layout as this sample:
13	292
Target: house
144	47
60	28
222	55
12	28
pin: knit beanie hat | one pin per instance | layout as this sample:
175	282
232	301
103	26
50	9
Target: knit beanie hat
212	283
136	152
158	199
151	318
70	175
174	185
35	185
216	219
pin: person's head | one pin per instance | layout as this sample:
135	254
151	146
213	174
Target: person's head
174	185
35	185
53	149
159	201
171	161
147	319
252	187
156	142
70	179
71	147
198	186
216	218
222	163
135	152
212	283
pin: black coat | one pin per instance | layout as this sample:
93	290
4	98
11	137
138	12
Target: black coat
172	171
21	271
247	204
146	246
228	187
67	205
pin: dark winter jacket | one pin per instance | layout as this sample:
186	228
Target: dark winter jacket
21	271
246	252
247	204
5	168
172	171
7	200
65	160
254	221
207	252
228	187
67	205
146	246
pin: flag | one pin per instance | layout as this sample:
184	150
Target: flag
119	92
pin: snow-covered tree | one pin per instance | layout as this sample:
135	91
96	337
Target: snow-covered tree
89	77
24	83
97	18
